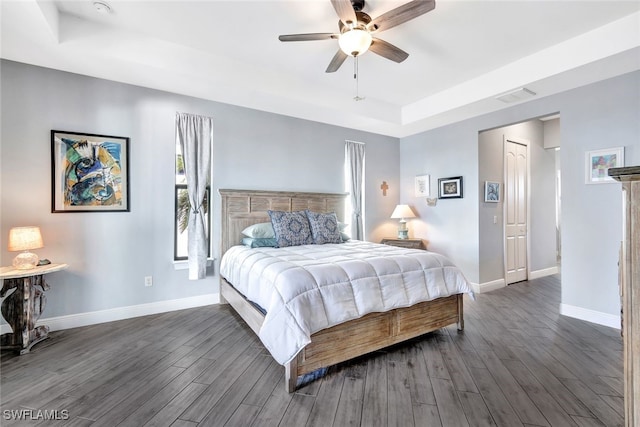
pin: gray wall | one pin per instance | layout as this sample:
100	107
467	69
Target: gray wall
542	234
110	253
450	227
603	115
552	133
491	168
600	115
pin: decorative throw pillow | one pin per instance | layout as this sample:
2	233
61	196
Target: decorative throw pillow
260	231
291	228
324	227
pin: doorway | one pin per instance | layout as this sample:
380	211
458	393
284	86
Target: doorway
534	251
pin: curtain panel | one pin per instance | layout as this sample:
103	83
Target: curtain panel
354	153
195	136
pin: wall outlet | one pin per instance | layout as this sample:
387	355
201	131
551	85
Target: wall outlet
148	281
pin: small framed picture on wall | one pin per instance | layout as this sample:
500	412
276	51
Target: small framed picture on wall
491	192
422	186
598	162
450	188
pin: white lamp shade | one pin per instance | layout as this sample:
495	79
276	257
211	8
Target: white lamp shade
403	211
355	42
25	238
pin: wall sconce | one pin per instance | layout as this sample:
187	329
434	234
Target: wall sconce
402	212
25	239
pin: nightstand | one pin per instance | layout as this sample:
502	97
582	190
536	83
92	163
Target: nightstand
404	243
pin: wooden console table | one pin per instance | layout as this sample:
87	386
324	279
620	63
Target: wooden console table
23	307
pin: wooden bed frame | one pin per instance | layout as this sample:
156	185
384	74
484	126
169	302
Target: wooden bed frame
241	208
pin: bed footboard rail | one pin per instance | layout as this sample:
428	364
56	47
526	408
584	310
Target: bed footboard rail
373	332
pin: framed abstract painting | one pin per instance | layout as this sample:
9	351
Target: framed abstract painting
89	172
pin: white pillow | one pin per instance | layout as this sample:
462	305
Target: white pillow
262	230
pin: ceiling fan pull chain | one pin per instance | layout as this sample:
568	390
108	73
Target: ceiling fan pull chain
355	76
355	68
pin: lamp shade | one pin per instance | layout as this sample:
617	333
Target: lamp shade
25	238
355	42
403	211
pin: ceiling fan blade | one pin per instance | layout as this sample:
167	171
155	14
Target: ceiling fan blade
387	50
401	14
345	11
336	62
307	37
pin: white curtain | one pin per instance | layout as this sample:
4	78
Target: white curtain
195	135
354	152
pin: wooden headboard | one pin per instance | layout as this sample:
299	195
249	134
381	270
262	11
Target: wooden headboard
242	208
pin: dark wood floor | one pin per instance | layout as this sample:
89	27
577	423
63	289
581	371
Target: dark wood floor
518	363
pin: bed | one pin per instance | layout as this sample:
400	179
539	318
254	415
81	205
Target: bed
340	341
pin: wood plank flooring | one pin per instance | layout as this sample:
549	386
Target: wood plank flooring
517	363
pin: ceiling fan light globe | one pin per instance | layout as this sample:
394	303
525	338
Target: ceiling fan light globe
355	42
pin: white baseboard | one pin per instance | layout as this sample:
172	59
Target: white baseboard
500	283
480	288
605	319
544	272
120	313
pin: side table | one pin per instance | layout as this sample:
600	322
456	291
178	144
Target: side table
23	307
404	243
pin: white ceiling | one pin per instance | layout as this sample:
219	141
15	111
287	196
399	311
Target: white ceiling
462	54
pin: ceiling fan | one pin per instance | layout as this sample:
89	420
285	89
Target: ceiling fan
357	30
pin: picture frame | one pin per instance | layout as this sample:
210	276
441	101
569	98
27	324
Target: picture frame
89	172
598	162
450	188
422	186
491	192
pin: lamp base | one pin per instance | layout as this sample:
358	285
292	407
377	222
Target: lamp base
403	231
25	261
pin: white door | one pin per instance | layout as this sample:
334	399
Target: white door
515	205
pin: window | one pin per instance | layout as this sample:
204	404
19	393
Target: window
182	206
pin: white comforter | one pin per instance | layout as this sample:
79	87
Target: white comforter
308	288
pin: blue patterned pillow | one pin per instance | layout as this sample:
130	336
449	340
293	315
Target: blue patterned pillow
291	228
324	227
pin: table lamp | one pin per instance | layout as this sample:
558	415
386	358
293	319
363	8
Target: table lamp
402	212
25	239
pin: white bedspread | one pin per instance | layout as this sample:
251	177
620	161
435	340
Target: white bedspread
308	288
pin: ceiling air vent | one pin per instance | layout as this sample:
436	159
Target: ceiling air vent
516	95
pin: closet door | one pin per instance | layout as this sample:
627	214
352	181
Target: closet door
515	205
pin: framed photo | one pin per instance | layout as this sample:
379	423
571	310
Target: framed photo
89	173
450	188
491	192
422	186
598	163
